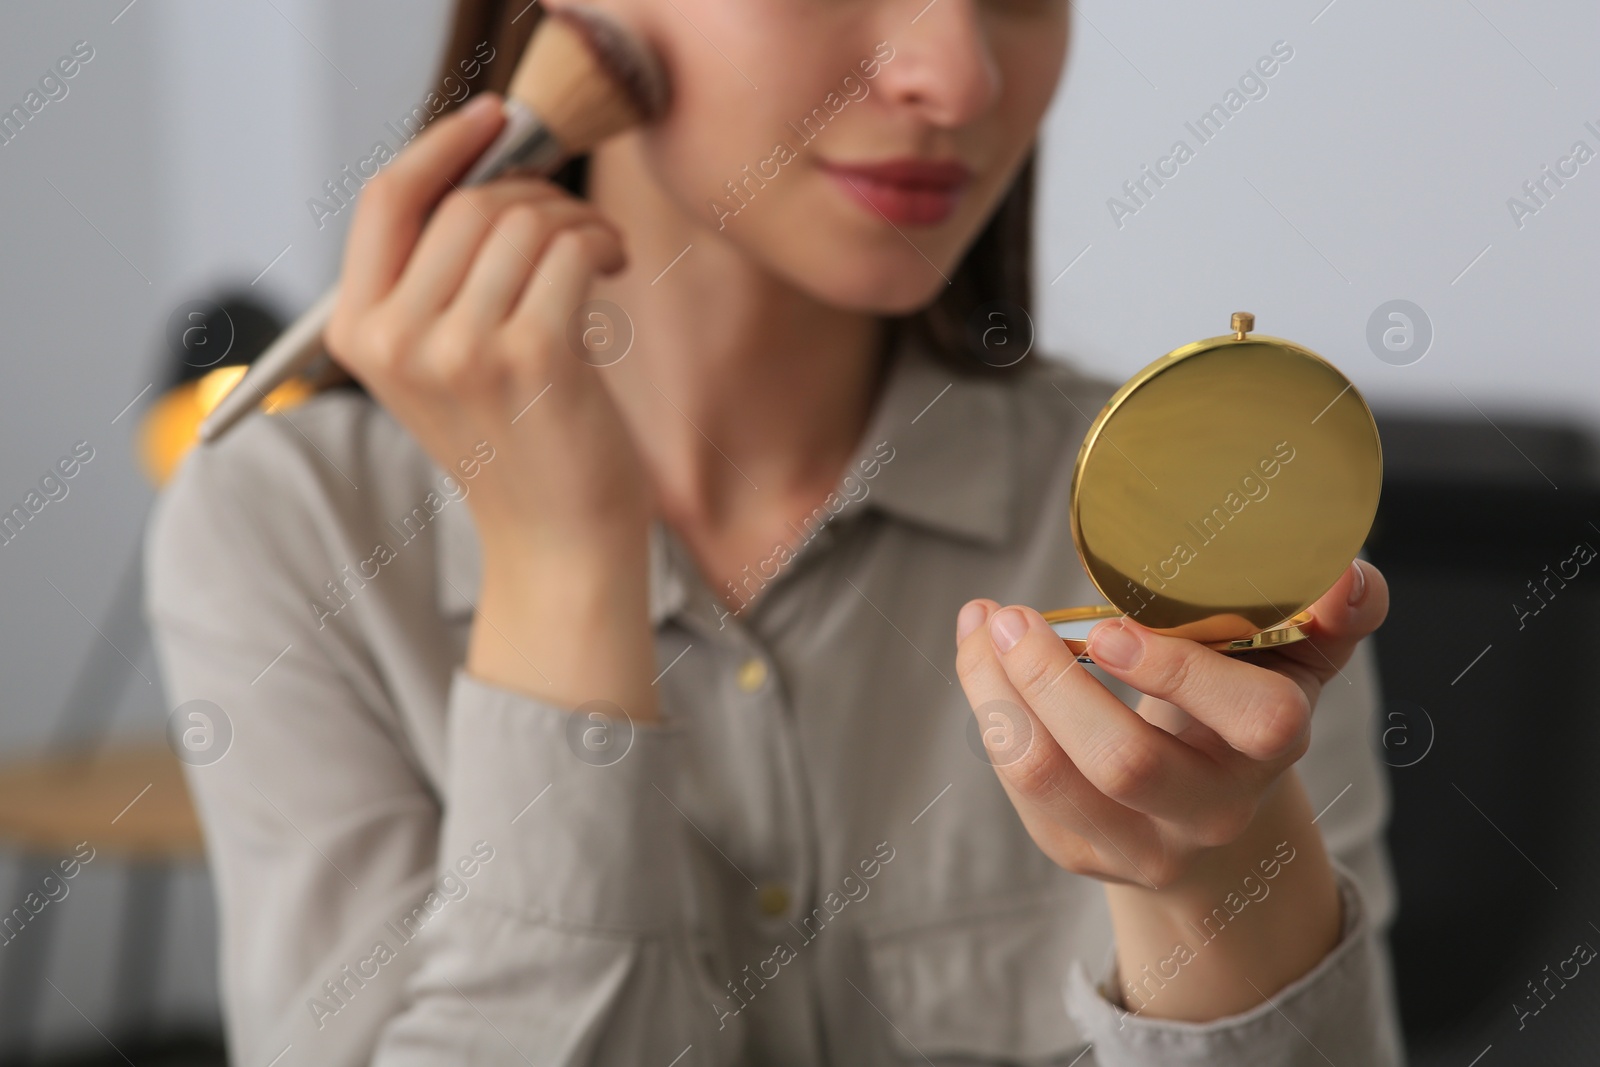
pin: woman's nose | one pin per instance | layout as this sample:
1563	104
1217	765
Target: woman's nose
943	65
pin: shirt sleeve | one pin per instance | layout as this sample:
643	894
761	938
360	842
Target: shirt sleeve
1343	1010
1337	1012
566	948
537	916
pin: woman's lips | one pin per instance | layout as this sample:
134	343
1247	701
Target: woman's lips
908	192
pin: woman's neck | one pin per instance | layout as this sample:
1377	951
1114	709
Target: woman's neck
745	396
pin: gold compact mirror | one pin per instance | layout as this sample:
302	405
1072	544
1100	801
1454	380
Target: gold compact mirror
1221	491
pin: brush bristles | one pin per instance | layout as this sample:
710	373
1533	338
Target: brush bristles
588	78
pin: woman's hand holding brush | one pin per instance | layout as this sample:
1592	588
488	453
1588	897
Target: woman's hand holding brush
453	311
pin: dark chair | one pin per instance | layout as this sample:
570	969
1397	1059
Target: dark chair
1489	657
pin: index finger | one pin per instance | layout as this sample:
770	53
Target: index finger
1260	707
1347	613
1259	712
395	205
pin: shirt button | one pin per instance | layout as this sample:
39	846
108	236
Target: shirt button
774	899
752	674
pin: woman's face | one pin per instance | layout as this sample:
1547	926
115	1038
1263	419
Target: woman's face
782	108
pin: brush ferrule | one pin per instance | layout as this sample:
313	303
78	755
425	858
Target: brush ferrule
525	143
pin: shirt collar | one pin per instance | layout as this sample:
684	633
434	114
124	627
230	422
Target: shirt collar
941	448
954	449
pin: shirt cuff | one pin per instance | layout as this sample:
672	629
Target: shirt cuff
1336	1010
573	809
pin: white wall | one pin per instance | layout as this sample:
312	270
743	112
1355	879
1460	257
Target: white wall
1377	167
256	126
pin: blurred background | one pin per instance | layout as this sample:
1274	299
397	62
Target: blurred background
1405	193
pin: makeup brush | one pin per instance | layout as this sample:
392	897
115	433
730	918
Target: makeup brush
582	79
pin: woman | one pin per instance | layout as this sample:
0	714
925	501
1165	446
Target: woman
594	700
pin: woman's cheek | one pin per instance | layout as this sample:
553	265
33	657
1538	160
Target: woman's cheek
700	166
725	165
1033	57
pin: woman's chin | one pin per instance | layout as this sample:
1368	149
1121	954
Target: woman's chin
888	297
869	282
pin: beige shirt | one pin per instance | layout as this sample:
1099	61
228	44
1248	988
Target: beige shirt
807	861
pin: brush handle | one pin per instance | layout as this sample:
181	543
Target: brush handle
525	143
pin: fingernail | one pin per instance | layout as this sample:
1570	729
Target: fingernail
971	617
1007	628
479	104
1116	646
1358	591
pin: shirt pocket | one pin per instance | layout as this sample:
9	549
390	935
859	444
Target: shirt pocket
987	984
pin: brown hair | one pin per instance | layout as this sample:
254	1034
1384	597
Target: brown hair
995	271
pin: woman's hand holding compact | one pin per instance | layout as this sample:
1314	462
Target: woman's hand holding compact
1170	802
453	312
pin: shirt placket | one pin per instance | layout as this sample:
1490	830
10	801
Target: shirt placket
770	858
